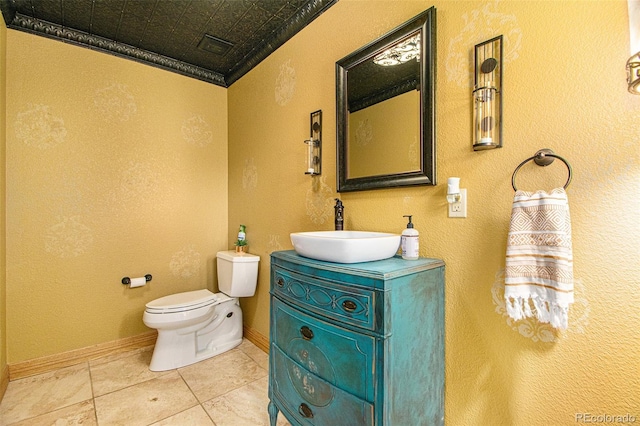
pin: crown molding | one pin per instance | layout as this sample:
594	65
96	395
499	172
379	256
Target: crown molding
47	29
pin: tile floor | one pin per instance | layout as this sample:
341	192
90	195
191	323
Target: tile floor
229	389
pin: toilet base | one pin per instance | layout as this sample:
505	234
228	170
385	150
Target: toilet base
182	347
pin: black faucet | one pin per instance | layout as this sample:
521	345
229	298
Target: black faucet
339	208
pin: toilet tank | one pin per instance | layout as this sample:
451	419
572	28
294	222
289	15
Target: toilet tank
237	273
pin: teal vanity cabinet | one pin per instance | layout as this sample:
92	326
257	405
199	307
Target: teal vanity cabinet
356	344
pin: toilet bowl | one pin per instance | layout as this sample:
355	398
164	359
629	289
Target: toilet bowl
197	325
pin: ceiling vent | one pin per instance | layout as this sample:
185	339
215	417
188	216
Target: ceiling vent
214	45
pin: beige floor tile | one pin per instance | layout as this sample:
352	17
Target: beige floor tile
246	406
32	396
78	414
255	353
145	403
122	372
234	386
221	374
195	416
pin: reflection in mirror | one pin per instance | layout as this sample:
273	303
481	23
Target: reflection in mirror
370	131
383	98
385	109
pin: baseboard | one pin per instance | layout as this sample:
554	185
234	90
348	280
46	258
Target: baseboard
66	359
77	356
4	381
256	338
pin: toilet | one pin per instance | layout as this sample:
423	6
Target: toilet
196	325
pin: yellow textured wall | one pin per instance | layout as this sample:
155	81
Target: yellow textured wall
114	169
3	289
565	90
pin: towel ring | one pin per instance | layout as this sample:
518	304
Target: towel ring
542	158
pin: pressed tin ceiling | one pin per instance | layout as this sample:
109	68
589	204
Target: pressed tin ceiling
217	41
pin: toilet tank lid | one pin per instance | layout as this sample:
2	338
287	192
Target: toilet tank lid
232	256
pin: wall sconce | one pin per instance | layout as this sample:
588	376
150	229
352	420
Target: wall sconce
487	95
633	64
314	145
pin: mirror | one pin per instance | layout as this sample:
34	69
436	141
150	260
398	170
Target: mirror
385	96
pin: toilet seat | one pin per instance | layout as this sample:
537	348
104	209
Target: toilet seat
181	302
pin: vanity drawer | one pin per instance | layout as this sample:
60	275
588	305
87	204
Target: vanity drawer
352	305
338	356
308	399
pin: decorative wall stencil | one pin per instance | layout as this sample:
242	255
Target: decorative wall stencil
542	332
285	84
197	131
249	174
115	102
319	201
364	133
274	243
185	263
38	127
137	180
480	24
137	183
68	238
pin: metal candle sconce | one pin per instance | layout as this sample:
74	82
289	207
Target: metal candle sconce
314	145
487	95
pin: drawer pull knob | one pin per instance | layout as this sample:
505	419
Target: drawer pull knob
349	305
305	411
280	282
306	332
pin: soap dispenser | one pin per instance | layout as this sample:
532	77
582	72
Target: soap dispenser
409	242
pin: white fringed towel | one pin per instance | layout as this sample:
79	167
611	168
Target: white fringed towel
539	265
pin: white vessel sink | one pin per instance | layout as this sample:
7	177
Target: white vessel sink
345	246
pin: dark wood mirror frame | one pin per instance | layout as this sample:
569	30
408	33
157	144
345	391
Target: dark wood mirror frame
425	23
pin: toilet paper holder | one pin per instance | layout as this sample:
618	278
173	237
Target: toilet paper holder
127	280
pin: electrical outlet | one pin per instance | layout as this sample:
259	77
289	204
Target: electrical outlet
459	209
